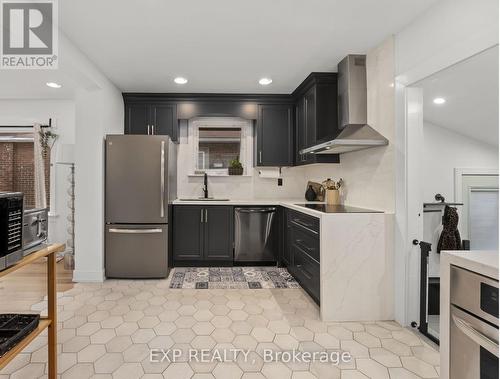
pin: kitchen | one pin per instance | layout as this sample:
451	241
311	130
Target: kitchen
227	205
208	231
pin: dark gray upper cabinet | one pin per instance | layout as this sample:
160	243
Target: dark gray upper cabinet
202	233
137	119
275	135
285	124
164	120
147	118
316	116
300	132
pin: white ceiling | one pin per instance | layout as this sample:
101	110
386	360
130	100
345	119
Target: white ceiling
470	89
227	45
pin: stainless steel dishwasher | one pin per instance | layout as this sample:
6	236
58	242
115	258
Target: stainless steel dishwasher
253	237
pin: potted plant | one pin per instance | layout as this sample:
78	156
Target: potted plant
235	167
47	139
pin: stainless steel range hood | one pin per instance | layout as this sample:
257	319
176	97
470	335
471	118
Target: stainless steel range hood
355	134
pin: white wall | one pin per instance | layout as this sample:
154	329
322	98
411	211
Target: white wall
449	32
445	150
62	112
98	111
369	174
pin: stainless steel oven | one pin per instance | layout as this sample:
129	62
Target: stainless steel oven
473	325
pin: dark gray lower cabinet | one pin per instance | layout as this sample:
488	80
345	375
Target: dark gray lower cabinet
301	251
218	233
202	234
188	232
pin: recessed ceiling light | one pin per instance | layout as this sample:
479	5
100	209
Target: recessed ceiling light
265	81
439	100
53	85
180	80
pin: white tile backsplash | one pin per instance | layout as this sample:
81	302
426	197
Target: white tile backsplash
246	187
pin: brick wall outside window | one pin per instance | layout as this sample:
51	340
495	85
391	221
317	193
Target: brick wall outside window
17	170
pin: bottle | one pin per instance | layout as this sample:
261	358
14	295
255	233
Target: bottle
310	194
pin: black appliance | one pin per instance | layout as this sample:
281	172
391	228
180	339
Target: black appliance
11	228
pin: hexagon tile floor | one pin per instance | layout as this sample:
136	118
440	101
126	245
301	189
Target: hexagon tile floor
107	330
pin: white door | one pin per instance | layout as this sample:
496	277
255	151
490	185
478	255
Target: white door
479	219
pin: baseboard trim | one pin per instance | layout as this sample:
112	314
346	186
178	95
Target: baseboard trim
88	276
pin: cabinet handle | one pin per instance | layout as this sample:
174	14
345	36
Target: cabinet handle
301	244
201	215
260	156
305	272
135	231
475	335
206	215
149	131
162	180
304	225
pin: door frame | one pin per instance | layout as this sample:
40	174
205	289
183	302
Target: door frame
409	190
460	172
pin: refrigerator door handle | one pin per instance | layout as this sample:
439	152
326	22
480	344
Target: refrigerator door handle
162	180
135	231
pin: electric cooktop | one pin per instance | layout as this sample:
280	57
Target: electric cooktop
327	208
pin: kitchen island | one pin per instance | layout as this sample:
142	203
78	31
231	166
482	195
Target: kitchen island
342	259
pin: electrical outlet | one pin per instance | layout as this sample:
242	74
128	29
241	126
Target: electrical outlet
280	181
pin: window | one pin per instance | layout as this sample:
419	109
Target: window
17	166
216	141
217	147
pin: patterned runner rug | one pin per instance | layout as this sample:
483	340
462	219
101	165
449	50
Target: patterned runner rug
232	278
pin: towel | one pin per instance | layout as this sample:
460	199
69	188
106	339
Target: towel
450	236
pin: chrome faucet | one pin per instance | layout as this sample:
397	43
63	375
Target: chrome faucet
205	186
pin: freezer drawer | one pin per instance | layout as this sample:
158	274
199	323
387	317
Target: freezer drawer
136	251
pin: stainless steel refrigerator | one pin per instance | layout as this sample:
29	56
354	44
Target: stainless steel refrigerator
140	186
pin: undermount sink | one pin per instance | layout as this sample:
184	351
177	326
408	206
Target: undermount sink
204	199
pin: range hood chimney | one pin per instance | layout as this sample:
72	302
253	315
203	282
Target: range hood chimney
355	133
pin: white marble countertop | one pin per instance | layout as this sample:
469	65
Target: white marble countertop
288	203
482	262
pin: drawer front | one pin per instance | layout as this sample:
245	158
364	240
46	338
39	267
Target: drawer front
306	271
136	251
306	241
309	223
